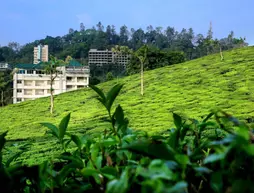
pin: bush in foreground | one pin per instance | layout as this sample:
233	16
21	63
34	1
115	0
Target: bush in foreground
194	157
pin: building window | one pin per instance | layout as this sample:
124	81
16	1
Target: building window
81	78
19	90
69	78
69	87
39	92
30	71
19	81
39	72
80	86
21	72
19	99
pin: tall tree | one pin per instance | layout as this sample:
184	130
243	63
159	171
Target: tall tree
170	35
141	54
82	27
124	36
109	35
5	80
71	31
52	68
100	27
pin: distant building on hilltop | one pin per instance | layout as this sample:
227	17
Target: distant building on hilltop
31	82
41	54
104	57
5	66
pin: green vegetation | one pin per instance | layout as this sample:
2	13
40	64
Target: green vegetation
77	43
191	89
194	156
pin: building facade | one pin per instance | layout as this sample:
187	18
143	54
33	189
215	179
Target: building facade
5	66
41	54
104	57
30	81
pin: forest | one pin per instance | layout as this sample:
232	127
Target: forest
77	43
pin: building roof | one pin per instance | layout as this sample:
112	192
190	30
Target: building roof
29	66
73	63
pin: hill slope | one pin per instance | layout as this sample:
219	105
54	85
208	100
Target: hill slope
192	89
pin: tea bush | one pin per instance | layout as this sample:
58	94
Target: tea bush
174	88
211	155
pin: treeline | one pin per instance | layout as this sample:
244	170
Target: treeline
77	43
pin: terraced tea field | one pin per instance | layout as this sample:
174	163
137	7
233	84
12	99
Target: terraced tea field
192	89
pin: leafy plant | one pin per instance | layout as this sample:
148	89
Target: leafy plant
194	156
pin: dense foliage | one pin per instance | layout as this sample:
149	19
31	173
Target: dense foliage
191	89
5	87
166	47
194	156
77	43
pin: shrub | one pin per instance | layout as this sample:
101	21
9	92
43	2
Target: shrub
109	76
194	156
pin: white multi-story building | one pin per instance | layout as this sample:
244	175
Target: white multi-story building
104	57
30	82
4	66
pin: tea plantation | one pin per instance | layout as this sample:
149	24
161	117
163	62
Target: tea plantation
191	89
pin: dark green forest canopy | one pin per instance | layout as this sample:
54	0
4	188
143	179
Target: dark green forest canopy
77	43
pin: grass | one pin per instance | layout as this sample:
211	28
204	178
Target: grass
191	89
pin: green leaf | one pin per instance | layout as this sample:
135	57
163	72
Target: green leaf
183	132
202	170
98	162
146	148
118	186
208	117
53	129
76	140
87	172
109	142
214	158
179	187
100	93
65	171
249	149
2	140
182	159
63	126
13	158
112	94
119	115
217	182
173	140
76	162
109	172
177	121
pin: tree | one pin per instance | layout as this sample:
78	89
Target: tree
109	35
52	68
82	27
5	80
100	27
118	52
109	76
142	56
14	46
124	36
71	31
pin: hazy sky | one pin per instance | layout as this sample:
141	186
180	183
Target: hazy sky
27	20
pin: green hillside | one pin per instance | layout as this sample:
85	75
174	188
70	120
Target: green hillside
191	89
